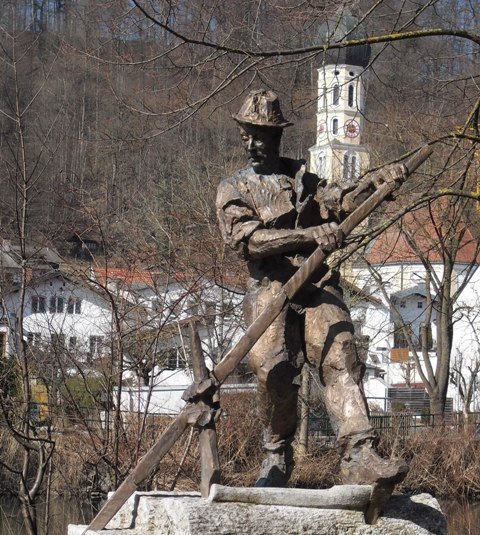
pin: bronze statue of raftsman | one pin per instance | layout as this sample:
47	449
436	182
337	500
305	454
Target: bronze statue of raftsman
285	222
274	214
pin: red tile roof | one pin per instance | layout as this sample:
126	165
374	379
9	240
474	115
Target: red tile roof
427	227
156	277
126	276
404	385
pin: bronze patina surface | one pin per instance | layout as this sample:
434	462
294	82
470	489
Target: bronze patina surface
275	214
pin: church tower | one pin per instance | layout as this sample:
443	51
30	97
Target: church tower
338	154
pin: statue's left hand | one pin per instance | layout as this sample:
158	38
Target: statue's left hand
393	174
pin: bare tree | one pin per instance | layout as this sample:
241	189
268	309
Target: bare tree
437	238
116	116
465	377
25	157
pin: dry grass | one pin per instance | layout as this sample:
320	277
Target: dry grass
9	453
318	470
443	462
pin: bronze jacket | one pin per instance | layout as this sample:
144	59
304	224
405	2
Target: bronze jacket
248	201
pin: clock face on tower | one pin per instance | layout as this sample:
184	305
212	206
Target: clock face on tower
352	128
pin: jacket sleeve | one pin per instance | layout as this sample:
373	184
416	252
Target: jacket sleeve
237	218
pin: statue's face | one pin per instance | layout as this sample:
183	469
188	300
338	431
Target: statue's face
261	143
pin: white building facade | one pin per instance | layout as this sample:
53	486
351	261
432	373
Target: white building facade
400	283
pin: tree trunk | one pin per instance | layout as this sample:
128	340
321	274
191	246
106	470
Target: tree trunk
29	515
437	409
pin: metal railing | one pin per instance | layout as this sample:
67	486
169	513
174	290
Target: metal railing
403	424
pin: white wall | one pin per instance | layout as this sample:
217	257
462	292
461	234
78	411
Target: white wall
398	277
94	319
167	398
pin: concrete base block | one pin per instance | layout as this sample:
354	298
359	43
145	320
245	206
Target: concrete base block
161	513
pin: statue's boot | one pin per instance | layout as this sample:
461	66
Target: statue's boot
276	468
363	466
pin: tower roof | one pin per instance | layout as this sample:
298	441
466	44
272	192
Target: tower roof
344	26
355	55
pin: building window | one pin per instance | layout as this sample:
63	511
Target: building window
74	305
56	304
335	127
95	347
72	343
58	342
402	304
419	304
173	359
350	171
353	167
336	95
351	95
321	165
91	246
34	339
38	304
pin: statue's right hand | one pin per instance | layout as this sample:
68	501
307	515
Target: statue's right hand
328	236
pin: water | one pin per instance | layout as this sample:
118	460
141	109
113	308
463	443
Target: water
463	518
62	513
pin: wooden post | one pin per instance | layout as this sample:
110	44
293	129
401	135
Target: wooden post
304	412
209	462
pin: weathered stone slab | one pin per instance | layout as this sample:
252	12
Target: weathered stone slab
174	514
352	497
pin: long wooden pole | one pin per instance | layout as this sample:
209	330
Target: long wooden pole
191	414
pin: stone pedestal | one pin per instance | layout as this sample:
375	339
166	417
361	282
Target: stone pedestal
162	513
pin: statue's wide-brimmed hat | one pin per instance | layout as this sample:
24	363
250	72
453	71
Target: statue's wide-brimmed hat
262	108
